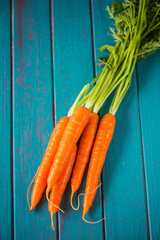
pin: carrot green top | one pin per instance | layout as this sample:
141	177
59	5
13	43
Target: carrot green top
137	34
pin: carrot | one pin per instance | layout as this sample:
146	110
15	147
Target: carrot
102	141
83	154
59	188
43	170
72	133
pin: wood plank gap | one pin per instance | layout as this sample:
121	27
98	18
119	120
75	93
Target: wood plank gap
94	73
11	90
52	57
102	193
93	37
53	87
146	200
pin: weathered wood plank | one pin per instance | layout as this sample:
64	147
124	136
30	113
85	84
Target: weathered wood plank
32	111
73	67
5	123
124	195
149	102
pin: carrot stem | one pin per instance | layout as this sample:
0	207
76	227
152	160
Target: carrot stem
74	106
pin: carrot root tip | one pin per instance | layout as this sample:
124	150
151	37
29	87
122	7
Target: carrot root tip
31	209
71	202
30	206
52	223
52	203
90	221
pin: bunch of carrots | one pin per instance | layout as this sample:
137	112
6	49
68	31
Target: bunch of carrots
61	154
137	34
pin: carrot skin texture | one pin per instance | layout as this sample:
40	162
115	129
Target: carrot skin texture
102	141
72	133
43	170
84	150
59	188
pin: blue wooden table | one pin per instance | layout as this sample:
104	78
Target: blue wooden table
48	51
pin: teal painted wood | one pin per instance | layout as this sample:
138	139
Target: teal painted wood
149	102
73	67
32	111
124	194
5	123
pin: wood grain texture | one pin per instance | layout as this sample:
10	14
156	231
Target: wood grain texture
45	81
5	124
32	111
73	67
149	102
124	194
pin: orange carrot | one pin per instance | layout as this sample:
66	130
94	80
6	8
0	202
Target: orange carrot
102	141
59	188
43	170
83	154
72	133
